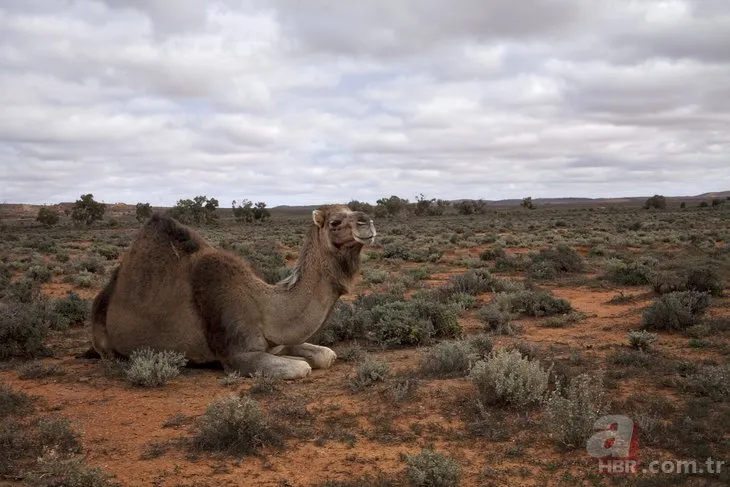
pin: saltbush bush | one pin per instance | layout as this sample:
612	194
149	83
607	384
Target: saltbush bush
572	412
642	339
448	359
235	425
369	371
153	368
432	469
507	377
675	311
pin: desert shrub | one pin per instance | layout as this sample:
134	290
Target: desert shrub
235	425
369	371
564	320
451	358
675	311
482	345
492	254
83	279
432	469
24	290
23	329
472	282
631	358
507	377
109	252
56	433
397	251
537	303
631	273
47	216
265	260
573	411
704	279
548	263
443	319
395	324
712	381
374	276
71	310
38	370
90	263
13	403
642	339
264	383
57	470
496	319
153	368
14	445
39	273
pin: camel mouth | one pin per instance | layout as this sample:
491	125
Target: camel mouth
365	241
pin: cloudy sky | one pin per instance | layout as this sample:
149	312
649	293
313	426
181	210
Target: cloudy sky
306	102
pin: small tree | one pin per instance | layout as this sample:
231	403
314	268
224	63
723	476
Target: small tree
683	204
47	216
470	207
717	201
390	207
260	213
86	210
243	212
143	211
355	205
199	210
657	201
527	203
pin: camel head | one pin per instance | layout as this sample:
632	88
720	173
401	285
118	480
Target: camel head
341	228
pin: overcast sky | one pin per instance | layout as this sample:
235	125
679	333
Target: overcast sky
307	102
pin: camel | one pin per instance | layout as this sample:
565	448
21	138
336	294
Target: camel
173	291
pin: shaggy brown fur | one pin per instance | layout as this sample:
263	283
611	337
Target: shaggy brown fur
174	291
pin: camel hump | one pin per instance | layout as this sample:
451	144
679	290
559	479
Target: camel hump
168	228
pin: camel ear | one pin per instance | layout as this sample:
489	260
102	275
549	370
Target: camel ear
318	218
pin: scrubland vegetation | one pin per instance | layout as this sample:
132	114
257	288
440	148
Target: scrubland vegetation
478	347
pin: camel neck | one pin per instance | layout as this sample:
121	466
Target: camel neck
302	302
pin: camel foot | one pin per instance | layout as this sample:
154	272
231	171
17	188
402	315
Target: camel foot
317	356
279	367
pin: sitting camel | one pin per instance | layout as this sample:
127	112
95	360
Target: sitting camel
173	291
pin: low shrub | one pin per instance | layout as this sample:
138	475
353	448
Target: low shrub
153	368
369	371
675	311
536	303
235	425
642	339
631	273
573	412
495	319
432	469
23	329
448	359
506	377
71	310
712	381
549	263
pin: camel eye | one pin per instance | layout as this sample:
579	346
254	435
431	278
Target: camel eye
335	223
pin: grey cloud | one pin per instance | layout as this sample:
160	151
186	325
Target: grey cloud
283	101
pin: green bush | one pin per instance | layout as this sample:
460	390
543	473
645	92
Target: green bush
369	371
496	319
549	263
573	412
472	282
642	339
71	310
631	273
152	368
448	359
39	273
712	381
23	329
432	469
675	311
507	377
235	425
535	303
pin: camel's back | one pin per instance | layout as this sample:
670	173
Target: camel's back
152	304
